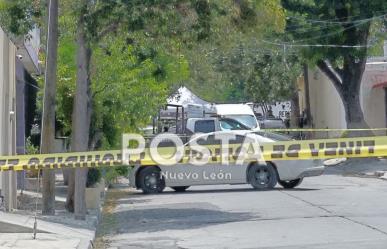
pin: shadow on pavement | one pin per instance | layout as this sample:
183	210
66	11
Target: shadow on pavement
12	228
227	190
158	219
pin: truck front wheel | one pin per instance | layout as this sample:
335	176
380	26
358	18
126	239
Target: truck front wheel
262	177
151	180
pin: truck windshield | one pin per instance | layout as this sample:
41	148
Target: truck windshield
247	120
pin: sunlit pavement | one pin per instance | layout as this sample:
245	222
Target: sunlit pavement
324	212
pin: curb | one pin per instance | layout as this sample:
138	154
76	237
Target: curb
89	244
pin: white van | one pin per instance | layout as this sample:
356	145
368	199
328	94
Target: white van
243	113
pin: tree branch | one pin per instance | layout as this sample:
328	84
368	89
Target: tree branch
336	81
99	91
108	29
339	71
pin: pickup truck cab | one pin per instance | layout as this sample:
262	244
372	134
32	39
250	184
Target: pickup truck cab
242	113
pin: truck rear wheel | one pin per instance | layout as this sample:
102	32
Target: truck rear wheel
262	177
151	180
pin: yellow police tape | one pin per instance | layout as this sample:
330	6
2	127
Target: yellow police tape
283	150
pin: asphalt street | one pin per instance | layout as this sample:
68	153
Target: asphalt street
329	211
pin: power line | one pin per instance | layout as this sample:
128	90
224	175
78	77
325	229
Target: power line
332	33
316	45
339	22
325	24
384	11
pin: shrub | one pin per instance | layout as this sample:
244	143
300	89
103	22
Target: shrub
93	177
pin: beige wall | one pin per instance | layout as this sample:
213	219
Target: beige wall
327	109
7	114
325	105
373	102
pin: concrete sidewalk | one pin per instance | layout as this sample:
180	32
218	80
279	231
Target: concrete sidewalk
16	232
58	231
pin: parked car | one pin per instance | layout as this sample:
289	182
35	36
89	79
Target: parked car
271	123
289	174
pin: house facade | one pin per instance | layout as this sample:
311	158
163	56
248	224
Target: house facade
18	61
318	94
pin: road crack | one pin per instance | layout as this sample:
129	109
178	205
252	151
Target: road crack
307	202
332	214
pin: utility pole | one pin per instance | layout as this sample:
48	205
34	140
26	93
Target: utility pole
48	120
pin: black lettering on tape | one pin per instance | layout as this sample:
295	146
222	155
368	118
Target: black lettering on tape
293	150
350	147
313	150
107	157
371	145
49	160
358	147
331	148
72	159
34	160
278	151
13	161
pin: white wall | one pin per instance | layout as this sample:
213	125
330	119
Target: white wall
7	116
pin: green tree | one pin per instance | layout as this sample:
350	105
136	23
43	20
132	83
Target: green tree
94	21
346	24
18	17
222	65
128	100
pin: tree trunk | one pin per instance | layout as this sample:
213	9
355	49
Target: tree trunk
70	191
353	113
48	120
350	95
307	96
80	120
